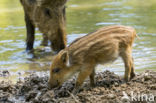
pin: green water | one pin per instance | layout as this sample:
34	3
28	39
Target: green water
83	16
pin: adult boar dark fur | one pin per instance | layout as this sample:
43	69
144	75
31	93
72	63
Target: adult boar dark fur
49	17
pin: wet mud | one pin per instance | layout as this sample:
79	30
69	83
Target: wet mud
110	88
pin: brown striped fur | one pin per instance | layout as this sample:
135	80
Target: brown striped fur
102	46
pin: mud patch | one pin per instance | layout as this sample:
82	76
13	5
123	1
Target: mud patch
109	88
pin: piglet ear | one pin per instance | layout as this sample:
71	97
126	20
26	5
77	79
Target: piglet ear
64	57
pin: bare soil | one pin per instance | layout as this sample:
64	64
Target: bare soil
109	88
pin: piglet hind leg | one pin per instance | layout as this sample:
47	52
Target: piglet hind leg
128	61
84	73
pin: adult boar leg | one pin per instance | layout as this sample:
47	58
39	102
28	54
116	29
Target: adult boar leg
45	40
30	34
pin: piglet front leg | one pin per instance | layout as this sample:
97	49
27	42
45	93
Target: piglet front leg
87	70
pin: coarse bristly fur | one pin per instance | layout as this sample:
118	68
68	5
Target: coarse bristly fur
49	17
102	46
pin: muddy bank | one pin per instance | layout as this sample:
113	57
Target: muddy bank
110	88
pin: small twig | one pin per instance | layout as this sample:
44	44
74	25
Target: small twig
71	94
54	100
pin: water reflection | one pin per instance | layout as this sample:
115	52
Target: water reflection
82	17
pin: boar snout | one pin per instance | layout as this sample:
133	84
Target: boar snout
58	42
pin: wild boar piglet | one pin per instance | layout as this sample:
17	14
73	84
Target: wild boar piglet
84	54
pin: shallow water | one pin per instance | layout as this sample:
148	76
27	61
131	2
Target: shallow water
83	16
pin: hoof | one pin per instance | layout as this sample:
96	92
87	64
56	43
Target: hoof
133	75
44	44
76	90
29	51
30	54
92	85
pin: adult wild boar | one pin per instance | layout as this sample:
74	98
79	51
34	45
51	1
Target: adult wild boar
85	53
49	17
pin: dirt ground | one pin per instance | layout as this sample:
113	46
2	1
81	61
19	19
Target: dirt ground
109	88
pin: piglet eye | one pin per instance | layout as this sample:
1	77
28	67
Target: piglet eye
56	70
